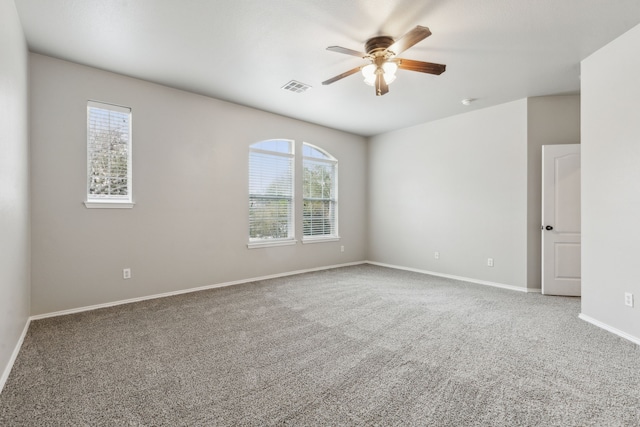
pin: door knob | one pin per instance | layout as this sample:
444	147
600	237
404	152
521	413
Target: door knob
548	227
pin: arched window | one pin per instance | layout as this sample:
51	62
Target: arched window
271	192
320	194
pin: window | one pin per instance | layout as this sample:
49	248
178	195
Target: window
271	193
108	156
319	189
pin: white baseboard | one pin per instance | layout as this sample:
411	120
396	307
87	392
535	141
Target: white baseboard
608	328
186	291
14	356
464	279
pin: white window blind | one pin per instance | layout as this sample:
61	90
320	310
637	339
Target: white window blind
108	153
319	186
271	191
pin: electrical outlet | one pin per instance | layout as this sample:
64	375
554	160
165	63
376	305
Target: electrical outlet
436	255
126	273
341	248
628	299
489	262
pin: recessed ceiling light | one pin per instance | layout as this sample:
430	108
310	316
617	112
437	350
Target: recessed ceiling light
297	87
467	101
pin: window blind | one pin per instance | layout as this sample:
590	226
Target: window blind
108	152
319	188
271	193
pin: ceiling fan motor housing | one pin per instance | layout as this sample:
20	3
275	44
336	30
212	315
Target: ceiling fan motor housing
378	44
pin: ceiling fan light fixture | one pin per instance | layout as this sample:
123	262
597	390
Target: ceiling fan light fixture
389	69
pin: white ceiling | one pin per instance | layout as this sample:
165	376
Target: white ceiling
244	51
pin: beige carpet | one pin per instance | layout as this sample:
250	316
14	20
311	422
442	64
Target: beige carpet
360	345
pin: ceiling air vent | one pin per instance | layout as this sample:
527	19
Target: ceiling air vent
297	87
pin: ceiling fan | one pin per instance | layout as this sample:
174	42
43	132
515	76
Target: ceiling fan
382	52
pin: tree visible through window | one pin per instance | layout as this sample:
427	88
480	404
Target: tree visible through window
319	187
108	153
271	191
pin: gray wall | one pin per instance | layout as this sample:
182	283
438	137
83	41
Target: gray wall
189	227
14	184
457	186
611	184
550	120
468	187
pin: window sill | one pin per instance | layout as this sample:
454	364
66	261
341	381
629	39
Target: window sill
109	205
267	244
320	239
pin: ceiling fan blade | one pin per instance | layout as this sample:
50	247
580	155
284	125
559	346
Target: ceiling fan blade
381	85
412	37
341	76
346	51
421	67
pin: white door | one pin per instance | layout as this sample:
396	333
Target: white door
561	219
